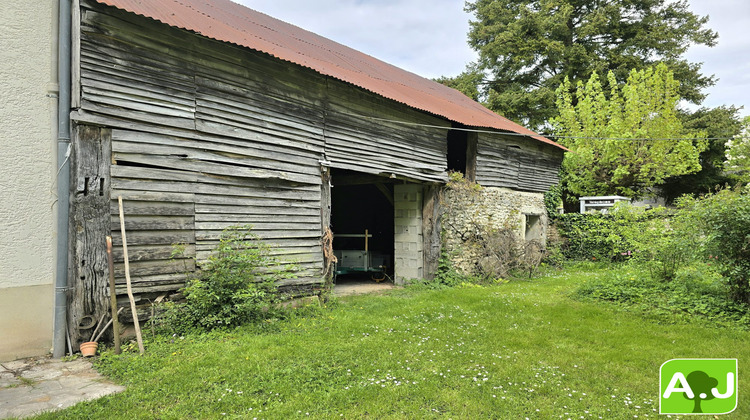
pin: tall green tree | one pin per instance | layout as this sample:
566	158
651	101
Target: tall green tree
528	47
468	82
720	124
738	154
626	143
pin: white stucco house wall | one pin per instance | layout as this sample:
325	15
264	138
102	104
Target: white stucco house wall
28	110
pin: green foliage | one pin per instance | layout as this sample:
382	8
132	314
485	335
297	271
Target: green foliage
738	154
621	142
593	236
698	293
552	200
724	220
664	240
719	124
235	286
553	256
528	47
661	240
467	83
715	228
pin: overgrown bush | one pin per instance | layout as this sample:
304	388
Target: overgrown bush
594	236
714	229
697	293
236	285
661	239
552	199
724	220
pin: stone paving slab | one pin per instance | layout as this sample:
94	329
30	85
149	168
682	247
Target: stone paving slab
34	386
360	287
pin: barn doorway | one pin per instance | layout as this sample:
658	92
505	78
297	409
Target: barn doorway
362	220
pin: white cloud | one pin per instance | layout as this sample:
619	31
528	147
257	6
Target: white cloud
729	61
428	37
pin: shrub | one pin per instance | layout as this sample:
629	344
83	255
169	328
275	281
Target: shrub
660	239
724	219
663	240
697	293
593	236
553	256
552	199
236	285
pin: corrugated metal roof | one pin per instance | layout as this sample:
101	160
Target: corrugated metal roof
226	21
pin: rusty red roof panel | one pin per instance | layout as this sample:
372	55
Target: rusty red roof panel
226	21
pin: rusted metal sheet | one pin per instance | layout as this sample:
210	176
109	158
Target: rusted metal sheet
230	22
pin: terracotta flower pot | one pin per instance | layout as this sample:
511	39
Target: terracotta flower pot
88	348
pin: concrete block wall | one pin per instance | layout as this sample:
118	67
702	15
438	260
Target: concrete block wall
407	204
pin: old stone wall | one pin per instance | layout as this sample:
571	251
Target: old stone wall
468	211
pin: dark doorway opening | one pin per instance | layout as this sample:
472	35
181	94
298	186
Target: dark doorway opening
457	143
362	224
462	151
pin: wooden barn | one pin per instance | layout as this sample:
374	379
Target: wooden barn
202	114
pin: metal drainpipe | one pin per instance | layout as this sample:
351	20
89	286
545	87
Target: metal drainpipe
63	177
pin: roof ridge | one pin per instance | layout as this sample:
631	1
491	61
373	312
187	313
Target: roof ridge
234	23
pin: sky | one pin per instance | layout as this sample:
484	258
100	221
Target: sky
428	37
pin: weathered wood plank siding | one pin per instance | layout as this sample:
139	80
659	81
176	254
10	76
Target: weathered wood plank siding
206	135
384	146
198	145
516	163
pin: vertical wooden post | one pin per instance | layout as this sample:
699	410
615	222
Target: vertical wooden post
127	278
325	198
471	156
113	296
431	230
89	225
325	227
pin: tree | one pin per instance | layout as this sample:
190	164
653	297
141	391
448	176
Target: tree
528	47
467	83
719	124
738	153
628	143
700	383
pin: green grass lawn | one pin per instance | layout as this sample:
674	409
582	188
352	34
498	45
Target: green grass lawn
512	351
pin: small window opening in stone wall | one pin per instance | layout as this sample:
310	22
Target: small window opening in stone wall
533	227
